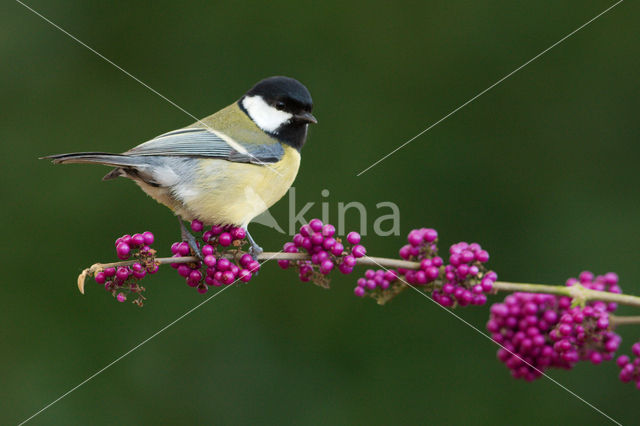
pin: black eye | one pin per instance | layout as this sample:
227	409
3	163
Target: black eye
279	105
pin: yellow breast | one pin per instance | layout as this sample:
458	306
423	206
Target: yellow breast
235	193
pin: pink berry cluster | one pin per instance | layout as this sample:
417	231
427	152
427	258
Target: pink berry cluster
375	279
540	331
462	282
127	244
125	280
607	282
220	265
326	251
466	280
422	248
630	369
583	334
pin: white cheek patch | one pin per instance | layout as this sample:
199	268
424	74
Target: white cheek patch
264	115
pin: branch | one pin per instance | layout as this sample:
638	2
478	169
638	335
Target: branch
576	292
618	320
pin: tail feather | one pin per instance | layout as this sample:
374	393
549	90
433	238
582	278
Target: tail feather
117	172
116	160
130	166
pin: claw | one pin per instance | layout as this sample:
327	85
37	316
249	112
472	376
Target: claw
255	249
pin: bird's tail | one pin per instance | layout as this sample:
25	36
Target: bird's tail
116	160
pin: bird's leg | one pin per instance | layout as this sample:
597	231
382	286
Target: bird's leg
255	249
189	238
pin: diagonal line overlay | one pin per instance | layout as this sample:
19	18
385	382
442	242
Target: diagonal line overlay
359	174
489	88
498	344
97	373
228	140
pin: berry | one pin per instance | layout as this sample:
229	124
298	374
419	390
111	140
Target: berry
337	249
184	270
328	230
224	264
225	239
353	238
358	251
283	263
122	273
326	266
196	225
207	249
137	240
140	274
210	260
183	249
316	225
254	266
195	275
148	238
244	275
430	235
246	259
349	260
123	251
415	237
217	229
238	233
228	277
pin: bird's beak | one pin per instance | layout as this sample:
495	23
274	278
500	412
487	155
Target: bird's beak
306	117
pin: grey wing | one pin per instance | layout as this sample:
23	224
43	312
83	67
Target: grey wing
198	142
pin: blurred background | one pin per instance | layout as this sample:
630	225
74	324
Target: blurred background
541	170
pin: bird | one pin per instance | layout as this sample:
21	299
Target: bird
224	169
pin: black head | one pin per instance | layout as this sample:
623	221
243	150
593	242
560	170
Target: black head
282	107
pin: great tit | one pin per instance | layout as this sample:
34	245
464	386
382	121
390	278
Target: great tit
227	168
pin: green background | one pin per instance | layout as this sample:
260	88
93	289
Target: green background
541	170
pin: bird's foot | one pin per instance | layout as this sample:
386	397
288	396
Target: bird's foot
255	249
190	239
254	252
